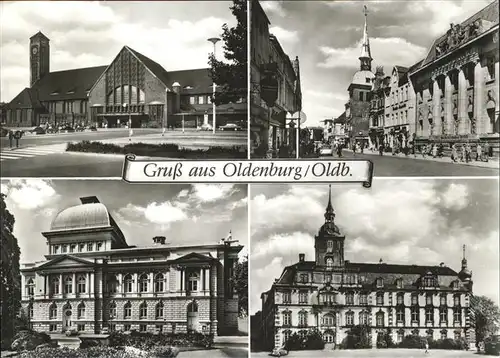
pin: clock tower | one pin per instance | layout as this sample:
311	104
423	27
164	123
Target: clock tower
329	243
39	57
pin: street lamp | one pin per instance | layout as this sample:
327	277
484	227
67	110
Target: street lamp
213	40
129	115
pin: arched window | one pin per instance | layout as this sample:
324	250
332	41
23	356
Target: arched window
363	318
287	318
159	283
193	282
81	310
380	282
68	284
192	307
159	310
286	335
329	262
54	285
328	337
442	299
302	319
456	300
112	310
143	283
128	283
329	245
82	284
131	95
143	310
380	319
414	299
400	298
328	320
349	318
127	310
399	283
30	288
53	311
380	298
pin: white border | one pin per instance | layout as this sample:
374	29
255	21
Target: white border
249	7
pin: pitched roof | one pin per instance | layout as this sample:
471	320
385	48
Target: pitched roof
27	98
153	66
340	119
489	13
68	84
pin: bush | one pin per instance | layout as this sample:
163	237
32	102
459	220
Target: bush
167	150
412	341
358	337
313	340
94	352
87	343
148	341
28	340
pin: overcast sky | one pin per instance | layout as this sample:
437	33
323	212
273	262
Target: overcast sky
327	37
84	34
185	214
422	222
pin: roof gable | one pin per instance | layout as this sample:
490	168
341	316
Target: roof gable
193	257
65	261
25	99
155	68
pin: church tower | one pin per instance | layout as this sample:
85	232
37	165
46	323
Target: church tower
39	57
366	56
465	274
329	243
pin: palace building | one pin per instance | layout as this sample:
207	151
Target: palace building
92	280
456	84
331	295
132	90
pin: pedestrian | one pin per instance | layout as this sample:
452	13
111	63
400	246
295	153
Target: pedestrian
130	134
11	138
434	150
454	153
479	152
381	149
468	153
424	150
163	131
486	151
426	347
362	147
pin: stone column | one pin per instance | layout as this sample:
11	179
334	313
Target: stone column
91	291
183	280
120	286
478	98
135	283
203	281
436	108
448	105
73	289
45	285
60	284
207	280
463	118
151	283
178	280
87	282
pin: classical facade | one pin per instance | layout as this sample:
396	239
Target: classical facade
331	294
133	90
456	85
92	280
269	130
358	107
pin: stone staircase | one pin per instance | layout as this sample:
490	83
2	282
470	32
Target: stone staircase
231	341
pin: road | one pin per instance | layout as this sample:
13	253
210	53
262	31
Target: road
228	352
376	353
401	166
46	156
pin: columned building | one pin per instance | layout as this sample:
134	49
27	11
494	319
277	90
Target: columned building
269	129
92	280
358	106
132	91
456	85
331	294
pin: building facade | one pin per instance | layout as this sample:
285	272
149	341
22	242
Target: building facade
331	295
377	108
133	90
358	106
456	85
269	129
92	280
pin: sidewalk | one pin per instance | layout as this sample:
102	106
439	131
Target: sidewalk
492	163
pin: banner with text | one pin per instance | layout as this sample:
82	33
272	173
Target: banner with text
247	171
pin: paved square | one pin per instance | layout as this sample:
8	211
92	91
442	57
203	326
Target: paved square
376	353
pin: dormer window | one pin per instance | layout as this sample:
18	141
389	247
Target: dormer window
329	245
454	285
54	93
380	282
399	283
190	88
304	278
70	92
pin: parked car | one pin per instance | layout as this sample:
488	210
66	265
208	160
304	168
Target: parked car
79	129
325	152
72	332
231	127
67	129
492	345
38	130
205	127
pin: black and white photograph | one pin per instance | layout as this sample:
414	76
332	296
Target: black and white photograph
105	269
85	83
409	85
345	271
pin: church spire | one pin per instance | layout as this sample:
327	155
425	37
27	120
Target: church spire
366	56
464	260
329	213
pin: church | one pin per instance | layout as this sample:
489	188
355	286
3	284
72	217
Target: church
132	90
93	281
332	295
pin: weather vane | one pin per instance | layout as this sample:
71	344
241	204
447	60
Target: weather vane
365	10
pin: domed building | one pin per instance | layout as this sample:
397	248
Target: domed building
332	295
92	280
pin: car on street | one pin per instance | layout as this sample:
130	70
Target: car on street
67	129
492	345
205	127
231	127
38	130
325	152
91	128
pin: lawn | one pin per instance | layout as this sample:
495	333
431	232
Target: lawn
377	353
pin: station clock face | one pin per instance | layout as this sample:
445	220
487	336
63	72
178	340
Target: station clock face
34	50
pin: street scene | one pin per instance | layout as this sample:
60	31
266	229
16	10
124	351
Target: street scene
191	104
407	268
158	271
380	87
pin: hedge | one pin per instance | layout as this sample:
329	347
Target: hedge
166	150
413	341
148	341
313	340
99	352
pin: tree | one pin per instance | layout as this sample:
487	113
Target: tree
231	75
9	275
240	283
485	317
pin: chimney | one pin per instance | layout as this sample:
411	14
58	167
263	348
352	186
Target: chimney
302	257
159	240
177	90
441	264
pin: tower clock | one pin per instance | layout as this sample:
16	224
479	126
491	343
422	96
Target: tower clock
39	57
